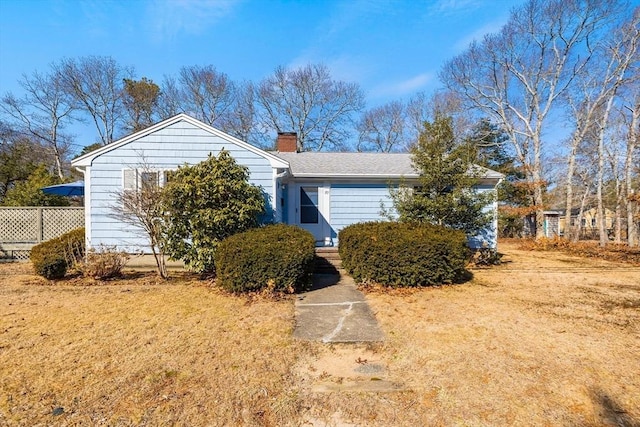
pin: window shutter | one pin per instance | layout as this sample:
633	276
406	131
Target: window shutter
129	179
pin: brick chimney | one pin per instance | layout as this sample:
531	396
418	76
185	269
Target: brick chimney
287	142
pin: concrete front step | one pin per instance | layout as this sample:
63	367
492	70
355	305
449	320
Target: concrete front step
328	261
324	266
331	251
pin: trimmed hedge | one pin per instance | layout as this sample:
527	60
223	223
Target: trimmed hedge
398	254
276	257
52	258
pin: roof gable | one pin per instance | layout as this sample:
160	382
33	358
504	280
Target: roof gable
87	159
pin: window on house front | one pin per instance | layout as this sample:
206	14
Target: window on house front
593	222
308	205
149	180
136	179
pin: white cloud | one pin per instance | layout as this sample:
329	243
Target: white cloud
404	87
478	34
344	67
169	18
452	7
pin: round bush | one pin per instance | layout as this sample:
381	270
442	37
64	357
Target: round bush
276	257
52	258
399	254
50	267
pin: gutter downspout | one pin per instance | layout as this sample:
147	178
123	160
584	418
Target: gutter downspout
495	210
276	178
87	205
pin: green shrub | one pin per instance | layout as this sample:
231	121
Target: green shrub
398	254
73	246
276	257
52	259
206	203
49	265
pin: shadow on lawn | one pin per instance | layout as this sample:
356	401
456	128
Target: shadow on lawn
611	412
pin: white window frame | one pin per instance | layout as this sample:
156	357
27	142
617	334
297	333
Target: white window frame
137	175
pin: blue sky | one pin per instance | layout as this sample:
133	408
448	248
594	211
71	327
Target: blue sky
393	49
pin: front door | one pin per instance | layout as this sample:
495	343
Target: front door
312	203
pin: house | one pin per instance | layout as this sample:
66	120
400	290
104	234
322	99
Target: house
588	222
321	192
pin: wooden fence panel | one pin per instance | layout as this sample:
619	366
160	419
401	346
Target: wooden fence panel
21	228
56	221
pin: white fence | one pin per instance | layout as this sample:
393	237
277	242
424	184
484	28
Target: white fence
21	228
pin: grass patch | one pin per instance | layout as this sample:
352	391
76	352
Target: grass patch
128	354
612	252
142	351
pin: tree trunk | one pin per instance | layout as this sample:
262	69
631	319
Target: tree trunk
538	184
601	153
618	217
583	203
160	261
632	141
601	223
619	195
58	164
571	167
632	229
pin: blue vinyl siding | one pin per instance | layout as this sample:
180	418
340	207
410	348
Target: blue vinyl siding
357	202
488	238
166	148
354	202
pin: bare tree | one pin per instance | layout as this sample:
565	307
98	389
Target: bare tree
96	83
614	155
423	108
309	102
590	99
517	76
624	51
383	129
169	100
42	113
632	160
586	193
202	92
139	204
241	120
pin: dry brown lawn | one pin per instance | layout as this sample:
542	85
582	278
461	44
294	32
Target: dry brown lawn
544	339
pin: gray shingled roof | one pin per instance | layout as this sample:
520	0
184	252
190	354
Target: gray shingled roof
313	164
370	165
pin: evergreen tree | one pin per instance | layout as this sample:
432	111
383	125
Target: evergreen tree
515	201
29	192
447	175
140	100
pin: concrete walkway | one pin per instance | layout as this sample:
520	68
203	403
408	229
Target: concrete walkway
335	311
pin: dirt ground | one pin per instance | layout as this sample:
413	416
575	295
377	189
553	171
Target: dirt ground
544	339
